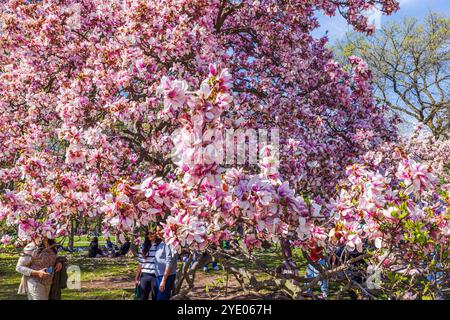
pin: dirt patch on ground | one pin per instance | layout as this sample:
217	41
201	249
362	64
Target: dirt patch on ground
211	287
109	283
207	286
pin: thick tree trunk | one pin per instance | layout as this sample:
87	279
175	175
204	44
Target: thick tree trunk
72	235
134	249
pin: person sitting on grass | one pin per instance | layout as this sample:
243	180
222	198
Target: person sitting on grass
214	266
110	247
94	250
124	248
225	245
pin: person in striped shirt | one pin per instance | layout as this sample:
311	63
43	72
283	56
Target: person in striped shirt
157	267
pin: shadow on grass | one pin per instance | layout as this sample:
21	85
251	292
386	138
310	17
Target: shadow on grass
98	294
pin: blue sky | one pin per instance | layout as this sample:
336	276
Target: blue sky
337	26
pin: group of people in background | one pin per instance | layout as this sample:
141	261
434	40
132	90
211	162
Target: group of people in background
110	249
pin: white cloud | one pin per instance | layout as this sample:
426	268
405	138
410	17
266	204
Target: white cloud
374	17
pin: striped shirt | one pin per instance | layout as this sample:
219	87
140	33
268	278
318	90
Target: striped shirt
148	262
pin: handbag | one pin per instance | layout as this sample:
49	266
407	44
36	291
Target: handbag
137	292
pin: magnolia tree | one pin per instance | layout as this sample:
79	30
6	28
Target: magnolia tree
401	222
115	111
424	147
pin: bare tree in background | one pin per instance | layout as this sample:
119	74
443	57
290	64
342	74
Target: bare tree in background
410	65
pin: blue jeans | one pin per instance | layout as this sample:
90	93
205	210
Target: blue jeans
150	287
311	272
167	293
214	264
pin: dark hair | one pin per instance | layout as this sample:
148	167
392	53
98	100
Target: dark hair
95	239
148	244
51	244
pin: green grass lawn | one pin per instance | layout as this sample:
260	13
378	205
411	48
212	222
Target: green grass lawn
9	278
80	241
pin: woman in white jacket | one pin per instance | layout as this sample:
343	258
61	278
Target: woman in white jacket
37	264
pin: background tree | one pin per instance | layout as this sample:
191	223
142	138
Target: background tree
410	65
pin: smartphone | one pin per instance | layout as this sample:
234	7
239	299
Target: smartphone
50	270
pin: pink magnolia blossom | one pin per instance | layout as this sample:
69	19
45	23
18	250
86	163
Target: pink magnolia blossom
6	239
174	93
416	176
185	230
